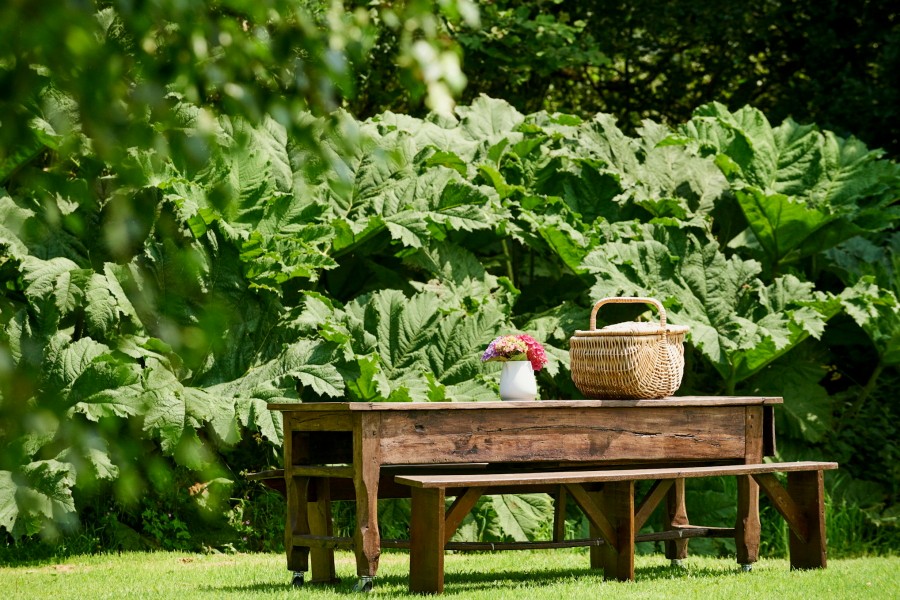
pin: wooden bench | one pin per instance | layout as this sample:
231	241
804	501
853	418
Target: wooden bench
612	512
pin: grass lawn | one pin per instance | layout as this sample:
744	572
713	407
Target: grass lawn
558	575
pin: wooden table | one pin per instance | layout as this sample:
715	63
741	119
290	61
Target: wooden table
328	446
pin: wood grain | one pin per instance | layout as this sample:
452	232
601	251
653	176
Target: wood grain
808	491
747	525
539	434
674	401
568	477
427	533
367	468
677	518
320	524
618	505
559	514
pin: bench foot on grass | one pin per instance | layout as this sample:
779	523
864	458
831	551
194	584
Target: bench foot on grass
298	578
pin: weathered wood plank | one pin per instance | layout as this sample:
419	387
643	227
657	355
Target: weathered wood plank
318	421
559	514
296	517
426	558
568	477
566	434
320	524
345	472
677	518
675	401
319	541
747	526
618	505
367	468
692	531
808	491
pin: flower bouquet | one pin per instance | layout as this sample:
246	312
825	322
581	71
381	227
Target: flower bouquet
516	347
521	356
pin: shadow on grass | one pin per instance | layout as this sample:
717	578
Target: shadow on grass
462	583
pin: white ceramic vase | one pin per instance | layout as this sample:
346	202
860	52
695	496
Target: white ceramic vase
517	381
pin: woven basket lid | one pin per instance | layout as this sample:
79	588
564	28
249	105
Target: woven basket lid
632	328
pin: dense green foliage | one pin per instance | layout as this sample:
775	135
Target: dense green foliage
188	231
381	274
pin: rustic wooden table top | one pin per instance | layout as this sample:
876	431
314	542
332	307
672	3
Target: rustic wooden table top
672	402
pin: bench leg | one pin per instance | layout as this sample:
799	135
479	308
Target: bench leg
676	550
426	536
808	491
321	559
618	506
596	552
747	528
559	514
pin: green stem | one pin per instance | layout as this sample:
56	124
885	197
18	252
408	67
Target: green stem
729	386
731	382
507	258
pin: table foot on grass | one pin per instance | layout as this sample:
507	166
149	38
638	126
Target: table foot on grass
365	584
298	578
746	567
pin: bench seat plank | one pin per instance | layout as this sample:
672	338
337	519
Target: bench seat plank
564	477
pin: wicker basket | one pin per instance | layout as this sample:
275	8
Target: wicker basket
628	360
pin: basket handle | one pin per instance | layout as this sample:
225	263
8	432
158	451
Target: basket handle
615	300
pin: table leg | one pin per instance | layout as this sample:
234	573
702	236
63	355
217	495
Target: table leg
296	523
367	537
320	523
676	550
747	528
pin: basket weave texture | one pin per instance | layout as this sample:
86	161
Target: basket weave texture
628	360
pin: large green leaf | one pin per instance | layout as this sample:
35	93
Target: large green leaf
801	190
415	348
40	494
510	517
738	323
64	362
872	273
807	406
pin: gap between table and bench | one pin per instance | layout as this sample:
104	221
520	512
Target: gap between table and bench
612	513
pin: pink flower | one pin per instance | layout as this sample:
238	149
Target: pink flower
535	353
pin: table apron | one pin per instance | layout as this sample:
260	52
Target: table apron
534	435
